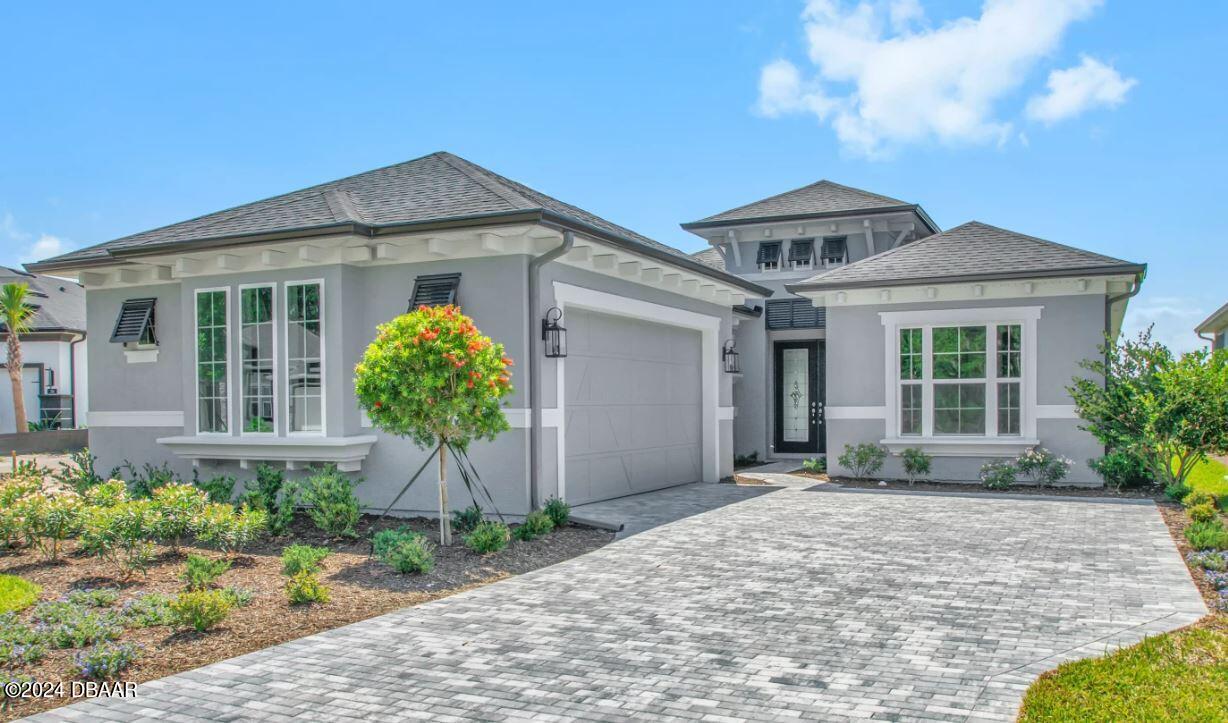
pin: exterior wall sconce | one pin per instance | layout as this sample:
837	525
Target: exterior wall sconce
554	335
729	356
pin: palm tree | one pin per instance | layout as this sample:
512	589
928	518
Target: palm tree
16	314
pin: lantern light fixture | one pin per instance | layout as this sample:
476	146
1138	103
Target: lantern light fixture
554	335
729	356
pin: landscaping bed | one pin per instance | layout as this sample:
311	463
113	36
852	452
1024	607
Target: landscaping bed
1017	489
93	586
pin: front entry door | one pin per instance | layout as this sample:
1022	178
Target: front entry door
799	397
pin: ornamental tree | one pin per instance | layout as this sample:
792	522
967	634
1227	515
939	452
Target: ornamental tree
431	376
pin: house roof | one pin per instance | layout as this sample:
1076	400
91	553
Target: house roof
823	198
60	303
1214	322
436	189
710	257
973	251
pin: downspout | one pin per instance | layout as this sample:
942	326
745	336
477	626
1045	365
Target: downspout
72	378
535	387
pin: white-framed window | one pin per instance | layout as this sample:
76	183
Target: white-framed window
961	373
257	358
212	361
305	357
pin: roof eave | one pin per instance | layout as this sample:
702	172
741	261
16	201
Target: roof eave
877	211
1214	322
1115	270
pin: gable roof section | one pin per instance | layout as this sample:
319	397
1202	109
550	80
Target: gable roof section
710	257
1215	322
973	251
440	188
823	198
61	303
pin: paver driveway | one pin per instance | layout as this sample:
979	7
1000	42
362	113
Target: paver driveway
790	604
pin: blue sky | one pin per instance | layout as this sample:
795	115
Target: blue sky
116	119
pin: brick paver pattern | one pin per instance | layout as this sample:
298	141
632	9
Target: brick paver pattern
789	605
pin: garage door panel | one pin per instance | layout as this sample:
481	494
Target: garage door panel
633	399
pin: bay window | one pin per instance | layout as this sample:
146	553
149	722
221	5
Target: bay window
305	357
212	365
961	373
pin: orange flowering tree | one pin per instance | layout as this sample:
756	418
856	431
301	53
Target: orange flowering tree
431	376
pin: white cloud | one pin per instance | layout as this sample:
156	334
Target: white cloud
1173	319
1072	91
883	77
21	246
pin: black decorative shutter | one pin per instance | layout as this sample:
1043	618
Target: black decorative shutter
134	320
434	290
801	250
769	252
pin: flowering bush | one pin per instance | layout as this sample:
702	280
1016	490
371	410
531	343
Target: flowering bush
106	494
998	474
104	661
177	505
1042	466
47	520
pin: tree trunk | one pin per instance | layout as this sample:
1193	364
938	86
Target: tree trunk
445	527
19	399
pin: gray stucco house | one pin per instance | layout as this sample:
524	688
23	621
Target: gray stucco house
1215	329
233	336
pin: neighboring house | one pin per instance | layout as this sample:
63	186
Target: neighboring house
1215	328
883	329
53	354
234	336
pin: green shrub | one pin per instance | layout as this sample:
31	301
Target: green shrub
304	587
48	520
558	511
1177	491
862	460
78	472
1209	535
17	594
142	483
106	494
1212	560
228	529
1198	497
1204	512
1042	466
998	474
817	465
1122	470
19	643
12	522
240	597
385	540
334	506
488	537
413	555
297	558
99	597
199	572
176	507
275	496
463	521
148	610
104	661
66	625
200	610
219	489
536	524
916	463
121	534
746	460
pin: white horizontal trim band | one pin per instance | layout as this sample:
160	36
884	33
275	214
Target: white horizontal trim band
134	419
855	412
963	446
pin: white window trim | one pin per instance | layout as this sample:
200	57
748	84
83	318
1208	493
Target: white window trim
323	361
196	365
1025	316
277	417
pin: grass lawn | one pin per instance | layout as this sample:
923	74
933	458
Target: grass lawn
1211	476
1181	675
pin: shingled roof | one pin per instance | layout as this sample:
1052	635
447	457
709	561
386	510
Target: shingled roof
823	198
973	251
710	257
440	188
59	303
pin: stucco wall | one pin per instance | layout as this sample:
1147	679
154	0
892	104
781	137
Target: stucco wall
1068	331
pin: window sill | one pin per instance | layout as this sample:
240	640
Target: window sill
963	446
297	452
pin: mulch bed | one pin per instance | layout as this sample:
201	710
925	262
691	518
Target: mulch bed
361	588
1177	520
1066	491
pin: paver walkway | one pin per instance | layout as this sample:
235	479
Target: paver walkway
791	604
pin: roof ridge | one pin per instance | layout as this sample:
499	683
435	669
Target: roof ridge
479	175
819	182
1037	239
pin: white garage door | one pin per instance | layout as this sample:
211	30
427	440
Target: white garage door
633	401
